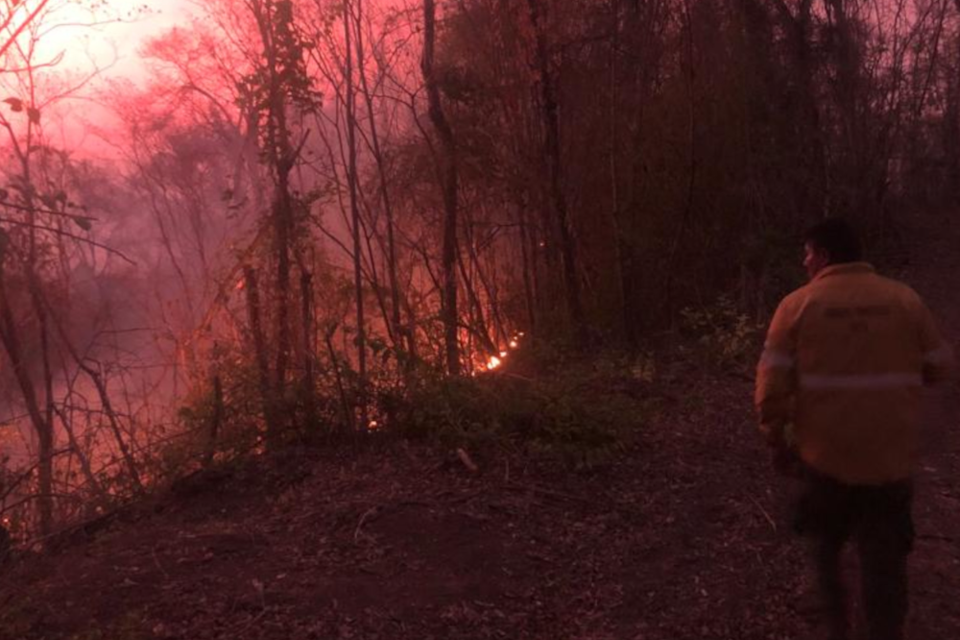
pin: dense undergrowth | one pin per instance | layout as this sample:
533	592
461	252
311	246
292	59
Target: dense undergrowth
546	401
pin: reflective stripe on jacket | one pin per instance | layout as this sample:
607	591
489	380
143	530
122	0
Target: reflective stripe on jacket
844	361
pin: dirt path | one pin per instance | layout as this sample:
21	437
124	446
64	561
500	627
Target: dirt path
684	536
935	565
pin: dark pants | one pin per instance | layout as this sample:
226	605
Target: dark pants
879	519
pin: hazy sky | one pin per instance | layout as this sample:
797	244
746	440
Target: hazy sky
113	43
112	47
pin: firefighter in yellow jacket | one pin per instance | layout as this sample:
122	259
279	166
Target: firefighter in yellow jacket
839	388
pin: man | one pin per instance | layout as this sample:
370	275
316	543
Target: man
839	388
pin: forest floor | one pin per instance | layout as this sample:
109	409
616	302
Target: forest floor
684	534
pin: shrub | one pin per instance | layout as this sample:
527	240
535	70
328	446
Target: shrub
499	409
723	335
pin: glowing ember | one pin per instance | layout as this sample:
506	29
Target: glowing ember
514	344
373	426
240	284
503	354
494	363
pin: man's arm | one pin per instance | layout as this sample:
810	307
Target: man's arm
938	359
776	375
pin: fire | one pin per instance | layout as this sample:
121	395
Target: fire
496	360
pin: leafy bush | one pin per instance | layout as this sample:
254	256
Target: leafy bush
723	335
557	407
495	409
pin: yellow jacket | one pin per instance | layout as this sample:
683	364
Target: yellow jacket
844	362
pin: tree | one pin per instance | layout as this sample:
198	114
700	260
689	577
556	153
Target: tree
35	221
447	172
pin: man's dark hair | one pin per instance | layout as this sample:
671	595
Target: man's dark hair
837	238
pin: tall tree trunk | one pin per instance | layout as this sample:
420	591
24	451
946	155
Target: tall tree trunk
952	124
620	248
449	178
351	107
692	166
216	420
489	290
254	314
528	258
812	198
282	301
309	385
481	330
847	63
816	200
549	108
12	344
44	429
274	23
395	315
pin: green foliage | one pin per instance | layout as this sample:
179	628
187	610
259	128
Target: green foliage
240	427
550	418
289	75
723	335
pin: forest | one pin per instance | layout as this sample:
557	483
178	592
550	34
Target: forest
494	229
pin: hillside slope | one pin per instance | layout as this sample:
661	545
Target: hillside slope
682	536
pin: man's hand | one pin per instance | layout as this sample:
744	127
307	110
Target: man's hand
783	453
785	460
